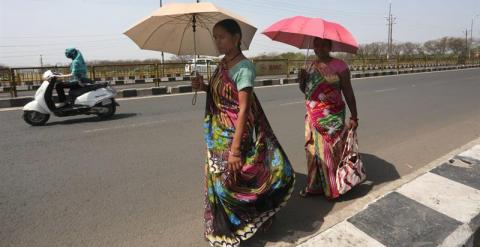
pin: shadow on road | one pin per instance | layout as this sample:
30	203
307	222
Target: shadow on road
302	217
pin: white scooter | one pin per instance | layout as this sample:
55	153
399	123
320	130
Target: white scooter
98	99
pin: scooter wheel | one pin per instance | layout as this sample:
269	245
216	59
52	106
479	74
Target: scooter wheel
111	108
35	118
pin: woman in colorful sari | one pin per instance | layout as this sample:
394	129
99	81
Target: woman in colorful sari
323	83
248	176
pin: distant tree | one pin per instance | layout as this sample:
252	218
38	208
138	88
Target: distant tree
431	47
456	46
410	49
375	49
436	47
183	58
293	55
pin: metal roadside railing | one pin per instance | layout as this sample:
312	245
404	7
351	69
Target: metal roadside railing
13	80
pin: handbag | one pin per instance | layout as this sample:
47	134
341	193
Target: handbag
350	171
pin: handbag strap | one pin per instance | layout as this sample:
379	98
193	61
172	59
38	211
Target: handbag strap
351	146
354	144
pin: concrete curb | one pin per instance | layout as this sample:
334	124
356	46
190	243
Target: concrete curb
440	207
15	102
129	93
122	80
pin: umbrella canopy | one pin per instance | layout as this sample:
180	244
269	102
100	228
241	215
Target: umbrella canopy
300	32
185	29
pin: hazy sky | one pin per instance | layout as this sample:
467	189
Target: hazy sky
29	28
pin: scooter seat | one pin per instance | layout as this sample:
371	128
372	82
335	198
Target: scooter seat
74	93
92	87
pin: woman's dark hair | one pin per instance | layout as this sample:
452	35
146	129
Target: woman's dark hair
327	41
232	27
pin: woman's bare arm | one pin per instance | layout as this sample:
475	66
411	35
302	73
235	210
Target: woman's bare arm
347	90
245	101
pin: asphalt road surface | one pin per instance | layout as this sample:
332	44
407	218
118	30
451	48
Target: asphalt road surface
137	180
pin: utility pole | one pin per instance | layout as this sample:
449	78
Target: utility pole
471	37
466	42
391	21
41	61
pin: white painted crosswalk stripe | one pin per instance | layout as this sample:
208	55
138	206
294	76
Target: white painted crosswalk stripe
454	199
342	234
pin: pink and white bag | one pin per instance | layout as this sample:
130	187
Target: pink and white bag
350	171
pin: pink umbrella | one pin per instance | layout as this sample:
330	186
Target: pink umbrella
300	31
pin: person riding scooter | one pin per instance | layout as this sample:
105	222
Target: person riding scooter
93	99
77	77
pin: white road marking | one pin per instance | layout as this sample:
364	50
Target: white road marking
417	73
293	103
385	90
125	126
10	109
409	166
156	96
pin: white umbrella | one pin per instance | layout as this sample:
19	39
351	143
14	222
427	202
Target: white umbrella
185	29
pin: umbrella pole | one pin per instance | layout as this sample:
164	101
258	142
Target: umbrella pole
306	56
194	25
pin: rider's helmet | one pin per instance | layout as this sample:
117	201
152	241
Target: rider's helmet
71	53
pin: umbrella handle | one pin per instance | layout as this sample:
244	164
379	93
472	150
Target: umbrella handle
194	99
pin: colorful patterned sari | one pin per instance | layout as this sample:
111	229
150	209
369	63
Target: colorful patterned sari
324	129
237	204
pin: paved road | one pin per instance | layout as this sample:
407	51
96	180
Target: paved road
136	180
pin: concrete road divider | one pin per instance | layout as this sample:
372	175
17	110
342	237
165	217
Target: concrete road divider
141	92
159	90
180	89
126	93
288	81
15	102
